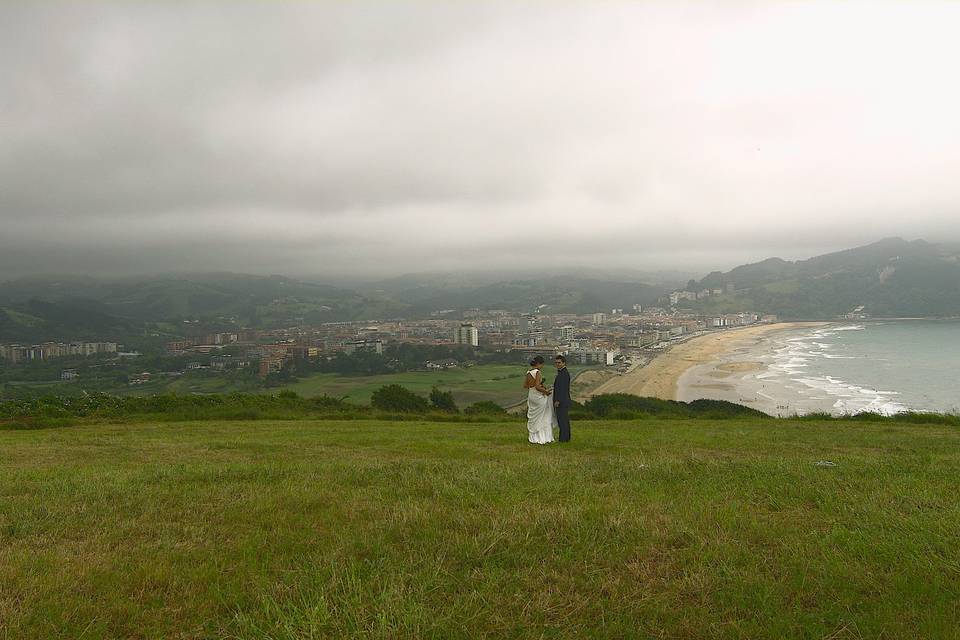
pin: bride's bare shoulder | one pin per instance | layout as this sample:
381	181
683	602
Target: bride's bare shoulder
530	380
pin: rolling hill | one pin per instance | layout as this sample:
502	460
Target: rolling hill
38	320
69	307
559	294
78	307
893	277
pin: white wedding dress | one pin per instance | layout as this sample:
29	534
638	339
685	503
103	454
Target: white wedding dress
541	418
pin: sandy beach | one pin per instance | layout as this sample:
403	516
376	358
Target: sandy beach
660	378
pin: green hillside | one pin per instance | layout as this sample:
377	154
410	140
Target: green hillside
326	529
268	300
889	278
276	301
557	294
37	320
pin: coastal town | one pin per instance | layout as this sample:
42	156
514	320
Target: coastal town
617	338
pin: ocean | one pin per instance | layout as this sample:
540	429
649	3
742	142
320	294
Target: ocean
882	366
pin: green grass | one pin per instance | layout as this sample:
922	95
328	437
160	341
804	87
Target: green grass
188	384
498	383
653	529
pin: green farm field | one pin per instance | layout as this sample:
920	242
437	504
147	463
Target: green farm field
499	383
364	529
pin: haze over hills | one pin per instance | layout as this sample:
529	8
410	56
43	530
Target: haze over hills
40	308
892	277
463	280
257	300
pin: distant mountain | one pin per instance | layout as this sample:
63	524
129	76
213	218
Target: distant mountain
37	320
262	301
554	294
892	277
71	307
580	293
464	280
169	296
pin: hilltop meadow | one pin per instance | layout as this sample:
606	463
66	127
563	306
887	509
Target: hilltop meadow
669	524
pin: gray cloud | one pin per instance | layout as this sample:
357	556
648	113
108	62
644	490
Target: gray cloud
394	137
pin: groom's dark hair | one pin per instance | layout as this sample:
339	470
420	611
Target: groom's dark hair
562	359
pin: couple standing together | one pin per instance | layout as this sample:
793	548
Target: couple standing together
547	407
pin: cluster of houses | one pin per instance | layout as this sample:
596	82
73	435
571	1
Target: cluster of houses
599	338
589	339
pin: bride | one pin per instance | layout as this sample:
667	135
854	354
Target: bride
540	414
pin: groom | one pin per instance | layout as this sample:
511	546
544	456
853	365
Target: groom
561	397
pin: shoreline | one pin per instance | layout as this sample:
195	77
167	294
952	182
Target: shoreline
795	373
661	377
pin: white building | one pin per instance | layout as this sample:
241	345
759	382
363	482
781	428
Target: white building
467	334
566	333
677	296
446	363
596	356
599	319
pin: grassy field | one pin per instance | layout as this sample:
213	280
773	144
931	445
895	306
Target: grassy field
310	529
499	383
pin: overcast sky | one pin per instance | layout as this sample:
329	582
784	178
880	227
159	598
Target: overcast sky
397	137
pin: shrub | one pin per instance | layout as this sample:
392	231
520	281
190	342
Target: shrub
329	403
443	401
485	408
28	423
816	415
394	397
621	404
927	418
722	409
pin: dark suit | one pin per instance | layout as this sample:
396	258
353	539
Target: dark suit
561	395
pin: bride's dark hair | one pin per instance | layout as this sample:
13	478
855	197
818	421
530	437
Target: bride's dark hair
537	360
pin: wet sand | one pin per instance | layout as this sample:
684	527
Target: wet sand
661	377
739	375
